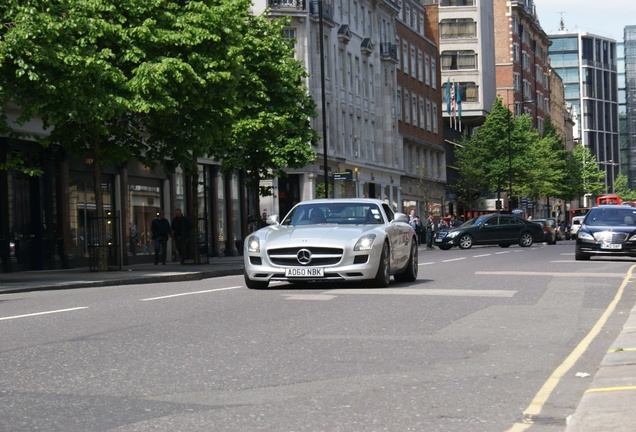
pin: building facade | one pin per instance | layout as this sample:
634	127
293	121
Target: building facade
627	105
588	65
464	33
355	44
419	113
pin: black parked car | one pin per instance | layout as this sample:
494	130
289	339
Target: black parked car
607	230
501	229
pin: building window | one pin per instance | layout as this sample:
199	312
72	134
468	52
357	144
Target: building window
427	69
420	66
429	124
459	60
421	118
414	109
433	73
435	119
405	57
407	107
458	28
399	103
446	3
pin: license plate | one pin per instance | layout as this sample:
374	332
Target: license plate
438	240
304	272
611	246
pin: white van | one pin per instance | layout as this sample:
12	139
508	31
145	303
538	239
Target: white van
575	225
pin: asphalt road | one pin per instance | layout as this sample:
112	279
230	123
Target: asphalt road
481	337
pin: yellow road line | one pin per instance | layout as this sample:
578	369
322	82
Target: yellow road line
610	389
548	387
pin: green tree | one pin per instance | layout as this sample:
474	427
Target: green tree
272	128
592	179
622	189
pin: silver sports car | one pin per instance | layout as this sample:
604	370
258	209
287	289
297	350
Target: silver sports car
333	240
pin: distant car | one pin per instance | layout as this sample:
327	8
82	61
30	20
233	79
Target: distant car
607	230
549	233
575	225
333	240
501	229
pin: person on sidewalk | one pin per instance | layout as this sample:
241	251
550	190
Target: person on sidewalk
180	233
430	232
161	231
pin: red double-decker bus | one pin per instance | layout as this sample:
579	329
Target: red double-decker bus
578	212
608	199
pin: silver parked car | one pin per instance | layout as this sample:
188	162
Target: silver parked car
354	239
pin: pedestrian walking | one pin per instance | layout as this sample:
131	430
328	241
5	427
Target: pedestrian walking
161	231
181	233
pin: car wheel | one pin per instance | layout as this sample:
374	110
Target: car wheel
466	241
578	256
410	272
525	240
383	276
504	245
252	284
444	247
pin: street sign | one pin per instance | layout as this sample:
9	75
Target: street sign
346	175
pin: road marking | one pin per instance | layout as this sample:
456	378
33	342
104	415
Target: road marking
454	259
426	292
616	350
540	399
480	256
562	274
610	389
308	297
500	253
426	263
43	313
191	293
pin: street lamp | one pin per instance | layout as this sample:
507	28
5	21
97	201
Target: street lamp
323	103
612	164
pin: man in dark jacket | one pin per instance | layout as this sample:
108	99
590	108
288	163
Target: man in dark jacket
180	233
161	231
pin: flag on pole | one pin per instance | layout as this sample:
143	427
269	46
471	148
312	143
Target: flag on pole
448	101
453	105
458	100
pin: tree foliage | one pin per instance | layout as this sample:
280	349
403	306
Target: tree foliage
156	81
622	189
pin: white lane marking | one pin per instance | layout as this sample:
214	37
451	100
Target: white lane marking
308	297
426	292
426	263
43	313
504	252
454	259
191	293
563	274
482	255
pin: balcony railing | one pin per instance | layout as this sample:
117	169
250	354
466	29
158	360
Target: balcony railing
389	51
287	4
327	10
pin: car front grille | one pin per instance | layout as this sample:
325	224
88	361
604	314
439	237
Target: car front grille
611	237
320	256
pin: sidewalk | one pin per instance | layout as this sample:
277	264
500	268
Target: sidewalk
609	403
132	274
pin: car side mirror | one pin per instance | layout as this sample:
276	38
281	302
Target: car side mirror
400	217
272	220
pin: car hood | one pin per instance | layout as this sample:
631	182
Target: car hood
618	229
295	234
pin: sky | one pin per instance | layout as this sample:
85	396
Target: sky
601	17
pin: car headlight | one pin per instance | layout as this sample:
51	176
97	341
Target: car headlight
253	244
452	234
584	236
364	243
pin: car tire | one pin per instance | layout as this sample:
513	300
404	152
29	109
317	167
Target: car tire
465	241
526	239
578	256
255	285
383	276
504	245
444	247
410	272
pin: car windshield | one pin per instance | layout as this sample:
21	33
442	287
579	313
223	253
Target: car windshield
334	213
611	217
475	221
